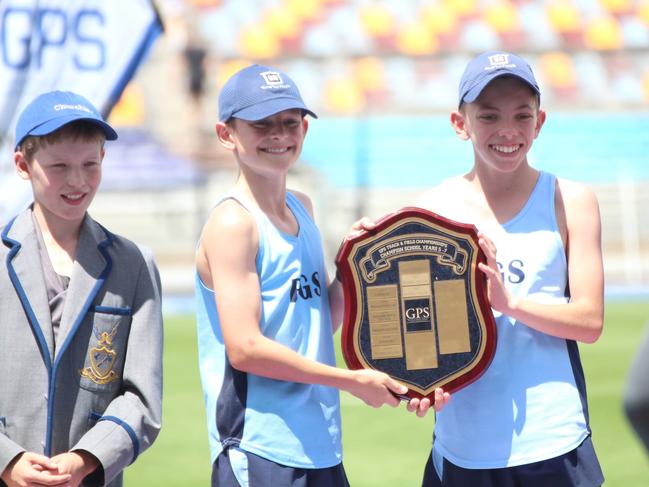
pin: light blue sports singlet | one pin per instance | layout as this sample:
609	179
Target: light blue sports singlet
530	404
293	424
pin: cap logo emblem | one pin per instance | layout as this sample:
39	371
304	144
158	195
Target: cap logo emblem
273	80
499	61
62	106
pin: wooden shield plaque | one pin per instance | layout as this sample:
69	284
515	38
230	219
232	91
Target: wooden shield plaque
416	304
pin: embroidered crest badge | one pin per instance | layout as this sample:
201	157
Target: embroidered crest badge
102	358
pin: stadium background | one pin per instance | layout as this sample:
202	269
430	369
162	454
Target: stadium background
382	75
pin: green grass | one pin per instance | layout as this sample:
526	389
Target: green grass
385	447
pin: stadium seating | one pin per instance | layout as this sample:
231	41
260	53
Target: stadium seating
585	52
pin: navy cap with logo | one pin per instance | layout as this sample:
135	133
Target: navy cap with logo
488	66
51	111
258	92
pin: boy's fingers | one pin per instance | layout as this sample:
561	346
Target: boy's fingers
413	405
424	405
396	387
45	478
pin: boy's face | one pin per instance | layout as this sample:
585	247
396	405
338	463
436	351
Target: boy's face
502	123
64	175
274	142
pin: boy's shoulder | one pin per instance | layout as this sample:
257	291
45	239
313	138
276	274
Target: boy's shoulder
231	219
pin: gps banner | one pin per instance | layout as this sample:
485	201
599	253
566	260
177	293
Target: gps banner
91	47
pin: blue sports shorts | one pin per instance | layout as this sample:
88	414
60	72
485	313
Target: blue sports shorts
578	467
238	468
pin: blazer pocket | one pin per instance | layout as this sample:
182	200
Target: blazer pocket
106	348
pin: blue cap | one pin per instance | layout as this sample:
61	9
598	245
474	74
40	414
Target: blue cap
51	111
258	92
488	66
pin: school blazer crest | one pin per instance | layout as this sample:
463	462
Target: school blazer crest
100	387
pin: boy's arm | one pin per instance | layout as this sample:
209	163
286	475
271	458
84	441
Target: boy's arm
229	246
582	317
335	289
132	420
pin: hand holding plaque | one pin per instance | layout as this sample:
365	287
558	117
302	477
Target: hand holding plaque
416	304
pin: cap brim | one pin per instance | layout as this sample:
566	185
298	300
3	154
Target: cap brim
473	94
269	108
58	122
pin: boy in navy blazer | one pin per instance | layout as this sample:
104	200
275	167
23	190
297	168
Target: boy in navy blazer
80	315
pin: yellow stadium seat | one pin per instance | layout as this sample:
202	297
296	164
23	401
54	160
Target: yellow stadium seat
566	20
558	72
343	95
563	16
258	42
617	7
502	17
369	73
440	19
306	10
129	110
603	34
283	23
416	40
463	8
228	68
377	21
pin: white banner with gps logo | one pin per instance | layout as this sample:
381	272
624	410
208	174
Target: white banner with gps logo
91	47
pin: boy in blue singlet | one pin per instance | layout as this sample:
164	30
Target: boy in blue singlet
266	310
525	421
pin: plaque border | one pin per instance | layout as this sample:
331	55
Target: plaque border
352	317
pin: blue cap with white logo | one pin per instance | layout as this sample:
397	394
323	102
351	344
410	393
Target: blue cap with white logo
488	66
258	92
51	111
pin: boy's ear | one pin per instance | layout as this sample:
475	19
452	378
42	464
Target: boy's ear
540	120
224	134
305	124
22	166
459	125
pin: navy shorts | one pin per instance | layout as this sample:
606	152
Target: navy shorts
578	467
238	468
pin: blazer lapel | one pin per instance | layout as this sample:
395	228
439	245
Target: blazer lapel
91	268
26	274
